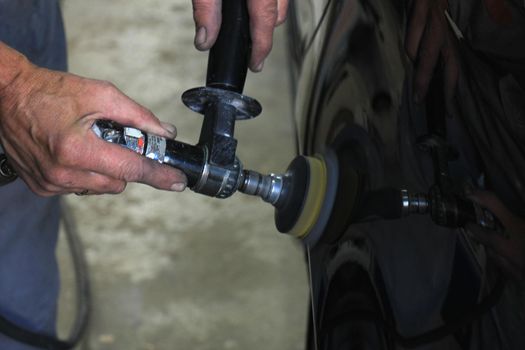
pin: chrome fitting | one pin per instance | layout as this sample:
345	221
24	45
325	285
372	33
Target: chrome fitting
217	181
414	203
268	187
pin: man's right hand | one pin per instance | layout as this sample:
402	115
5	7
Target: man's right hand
265	15
45	130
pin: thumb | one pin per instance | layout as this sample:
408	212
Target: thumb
208	16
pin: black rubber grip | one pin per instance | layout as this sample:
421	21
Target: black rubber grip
229	57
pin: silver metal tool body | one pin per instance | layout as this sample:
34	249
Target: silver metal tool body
204	176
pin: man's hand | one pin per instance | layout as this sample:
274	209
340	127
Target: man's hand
509	252
265	15
429	38
45	130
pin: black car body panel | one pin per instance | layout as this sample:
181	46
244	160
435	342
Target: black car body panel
355	59
351	94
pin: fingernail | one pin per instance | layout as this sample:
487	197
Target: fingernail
178	187
170	128
259	67
200	38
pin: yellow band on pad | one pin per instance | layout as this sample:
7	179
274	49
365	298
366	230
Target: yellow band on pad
316	191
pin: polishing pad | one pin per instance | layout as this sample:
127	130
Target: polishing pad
311	185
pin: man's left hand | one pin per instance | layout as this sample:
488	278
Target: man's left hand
428	39
265	15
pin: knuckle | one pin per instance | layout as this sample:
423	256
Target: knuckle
106	88
202	8
118	188
267	13
55	176
265	47
145	116
131	171
110	185
108	85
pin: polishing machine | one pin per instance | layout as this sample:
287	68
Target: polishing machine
305	194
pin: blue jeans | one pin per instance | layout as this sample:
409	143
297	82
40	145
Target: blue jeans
29	281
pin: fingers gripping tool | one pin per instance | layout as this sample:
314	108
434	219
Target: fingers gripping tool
211	166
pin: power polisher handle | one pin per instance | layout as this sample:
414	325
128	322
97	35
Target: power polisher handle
229	57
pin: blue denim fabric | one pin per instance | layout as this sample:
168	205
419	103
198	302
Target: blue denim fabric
29	281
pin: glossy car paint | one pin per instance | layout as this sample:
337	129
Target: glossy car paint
348	73
349	61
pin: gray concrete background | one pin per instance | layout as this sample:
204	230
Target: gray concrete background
182	271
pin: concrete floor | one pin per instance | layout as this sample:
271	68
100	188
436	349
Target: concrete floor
182	271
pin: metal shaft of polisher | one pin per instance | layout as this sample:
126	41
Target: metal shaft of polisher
417	203
268	187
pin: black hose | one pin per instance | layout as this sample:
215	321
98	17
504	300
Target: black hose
83	299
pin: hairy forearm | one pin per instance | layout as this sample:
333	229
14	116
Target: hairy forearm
11	65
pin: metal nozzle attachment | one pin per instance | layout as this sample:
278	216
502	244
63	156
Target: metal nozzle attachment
417	203
268	187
